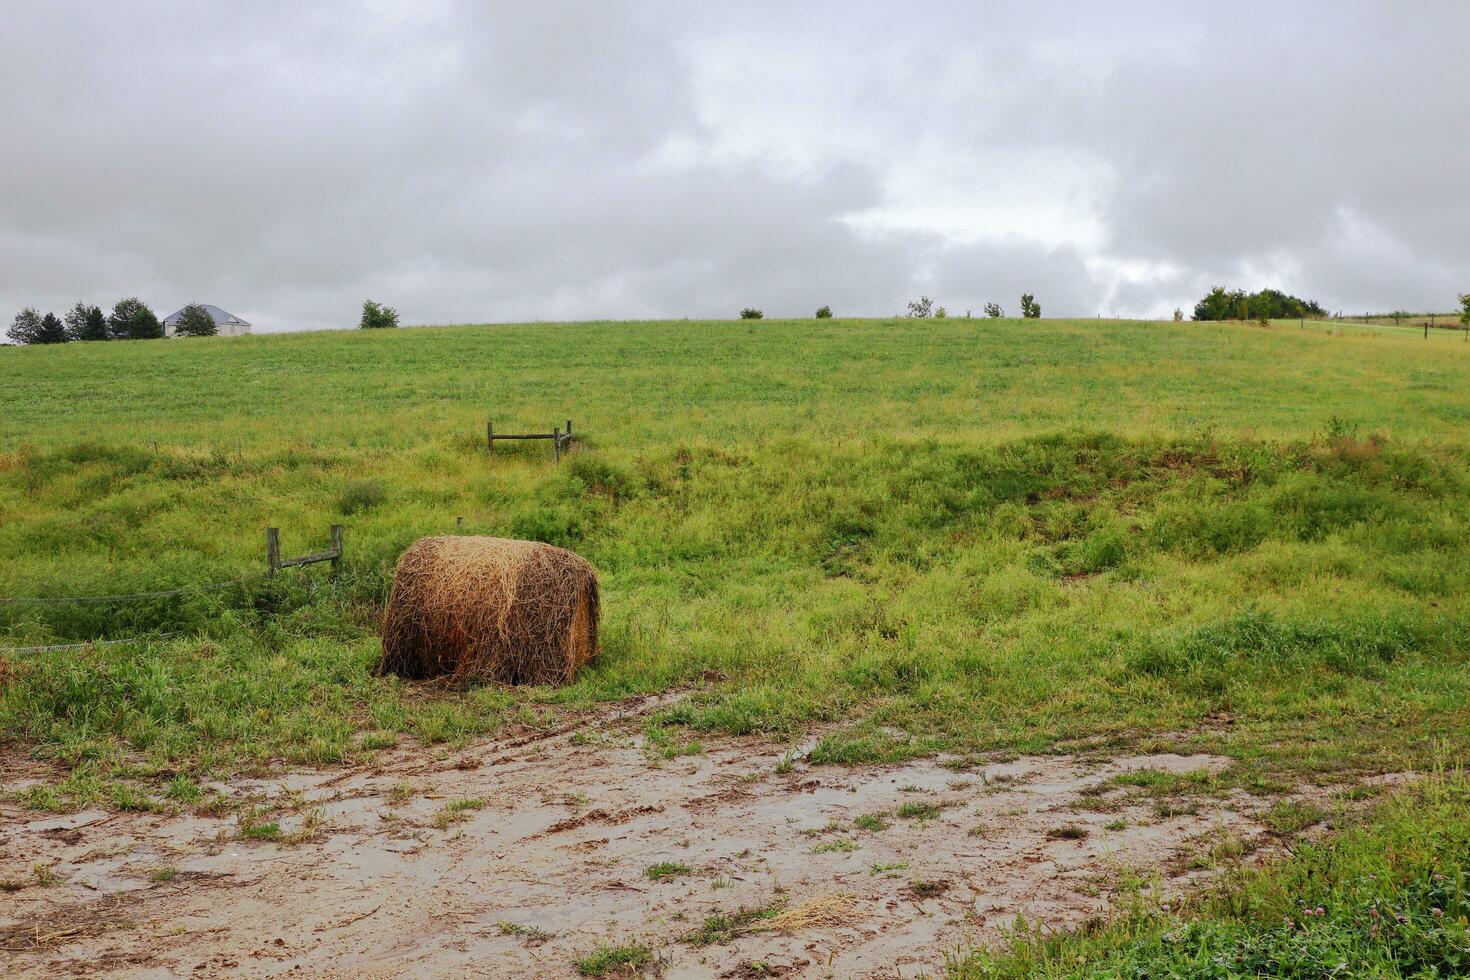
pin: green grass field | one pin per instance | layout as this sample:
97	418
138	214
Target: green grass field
962	535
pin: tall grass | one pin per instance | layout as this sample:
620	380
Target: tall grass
958	534
1387	898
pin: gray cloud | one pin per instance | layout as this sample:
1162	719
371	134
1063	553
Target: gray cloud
466	162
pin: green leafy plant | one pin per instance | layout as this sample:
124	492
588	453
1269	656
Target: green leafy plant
375	316
195	321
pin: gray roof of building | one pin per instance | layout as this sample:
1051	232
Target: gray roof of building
219	315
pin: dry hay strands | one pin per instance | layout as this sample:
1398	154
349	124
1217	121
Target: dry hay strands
825	911
494	609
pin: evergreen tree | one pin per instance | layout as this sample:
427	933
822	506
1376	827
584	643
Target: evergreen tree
1030	309
994	311
52	331
131	319
85	322
195	321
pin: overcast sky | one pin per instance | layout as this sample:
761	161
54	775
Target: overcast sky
469	161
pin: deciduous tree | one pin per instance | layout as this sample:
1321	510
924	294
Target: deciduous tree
195	321
26	327
377	317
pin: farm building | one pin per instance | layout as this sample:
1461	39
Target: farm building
228	323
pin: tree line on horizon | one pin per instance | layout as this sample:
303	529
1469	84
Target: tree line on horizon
130	319
1268	304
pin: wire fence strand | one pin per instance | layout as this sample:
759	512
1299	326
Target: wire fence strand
55	647
127	596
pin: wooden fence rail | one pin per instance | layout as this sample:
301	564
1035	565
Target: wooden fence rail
562	441
273	551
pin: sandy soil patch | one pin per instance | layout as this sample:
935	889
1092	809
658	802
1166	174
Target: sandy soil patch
513	857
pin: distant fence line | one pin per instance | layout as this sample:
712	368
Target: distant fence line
273	559
274	562
126	596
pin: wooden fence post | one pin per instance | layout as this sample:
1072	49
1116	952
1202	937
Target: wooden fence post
273	548
489	438
336	546
556	441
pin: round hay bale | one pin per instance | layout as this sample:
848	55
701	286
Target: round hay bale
496	609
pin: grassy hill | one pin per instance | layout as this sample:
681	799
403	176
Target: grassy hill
963	535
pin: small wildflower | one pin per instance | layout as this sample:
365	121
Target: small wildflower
1321	911
1438	912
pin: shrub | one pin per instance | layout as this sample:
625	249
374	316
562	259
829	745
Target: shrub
1268	304
921	307
994	311
940	313
85	322
1465	304
195	321
1030	309
131	319
377	317
825	313
751	313
1178	315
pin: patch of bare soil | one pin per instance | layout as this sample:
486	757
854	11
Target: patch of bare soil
516	856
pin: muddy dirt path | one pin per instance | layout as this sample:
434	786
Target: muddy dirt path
517	857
